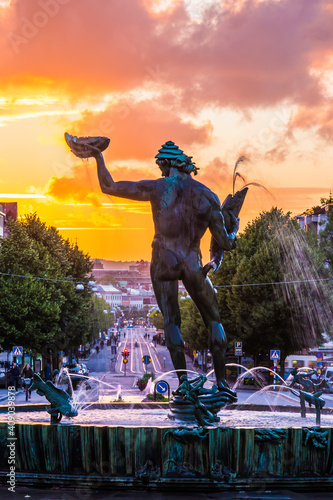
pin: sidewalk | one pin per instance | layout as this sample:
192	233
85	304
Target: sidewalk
20	397
166	362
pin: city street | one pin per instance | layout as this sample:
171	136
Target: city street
110	371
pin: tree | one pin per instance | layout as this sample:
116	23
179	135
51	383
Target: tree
193	329
326	240
257	304
156	318
102	317
40	307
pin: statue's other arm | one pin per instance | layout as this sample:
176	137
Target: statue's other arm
139	191
223	239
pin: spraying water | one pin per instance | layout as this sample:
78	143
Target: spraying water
119	396
306	290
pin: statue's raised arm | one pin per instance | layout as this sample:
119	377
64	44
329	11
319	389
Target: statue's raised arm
92	147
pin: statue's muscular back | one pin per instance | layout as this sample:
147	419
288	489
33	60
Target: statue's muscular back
182	209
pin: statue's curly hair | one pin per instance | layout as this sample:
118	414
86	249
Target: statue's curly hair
183	163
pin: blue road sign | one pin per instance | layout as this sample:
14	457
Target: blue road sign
319	354
146	359
17	351
238	345
238	352
162	387
275	354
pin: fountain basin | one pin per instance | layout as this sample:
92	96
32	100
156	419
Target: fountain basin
160	453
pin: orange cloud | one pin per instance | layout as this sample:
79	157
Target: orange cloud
82	186
256	55
138	130
319	118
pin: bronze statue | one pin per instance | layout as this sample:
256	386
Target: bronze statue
190	390
306	383
183	209
60	400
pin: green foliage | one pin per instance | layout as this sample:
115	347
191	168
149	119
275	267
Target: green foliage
326	201
146	377
157	397
326	240
102	317
193	330
271	250
142	382
40	307
156	318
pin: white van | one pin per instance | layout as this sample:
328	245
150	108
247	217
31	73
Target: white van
299	361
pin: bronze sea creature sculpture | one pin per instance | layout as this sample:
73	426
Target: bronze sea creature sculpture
60	400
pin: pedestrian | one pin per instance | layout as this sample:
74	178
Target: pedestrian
27	374
48	372
15	375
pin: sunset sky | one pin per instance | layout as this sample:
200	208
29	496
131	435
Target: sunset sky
219	78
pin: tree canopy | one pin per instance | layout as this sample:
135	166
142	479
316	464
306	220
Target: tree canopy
270	293
40	307
272	289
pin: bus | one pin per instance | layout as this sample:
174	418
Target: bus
299	361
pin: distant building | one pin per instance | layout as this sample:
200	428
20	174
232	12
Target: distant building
314	218
8	211
98	264
132	298
111	294
134	275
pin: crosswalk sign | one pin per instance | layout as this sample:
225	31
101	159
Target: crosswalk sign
275	354
17	351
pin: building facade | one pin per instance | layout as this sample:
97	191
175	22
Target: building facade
314	219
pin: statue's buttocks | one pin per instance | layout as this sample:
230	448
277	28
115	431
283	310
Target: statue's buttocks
181	211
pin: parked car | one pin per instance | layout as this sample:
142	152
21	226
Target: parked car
75	372
85	369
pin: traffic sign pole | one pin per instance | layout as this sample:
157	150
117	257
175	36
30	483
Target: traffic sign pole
239	353
275	368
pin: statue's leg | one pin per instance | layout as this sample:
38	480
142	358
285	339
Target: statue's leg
166	293
203	295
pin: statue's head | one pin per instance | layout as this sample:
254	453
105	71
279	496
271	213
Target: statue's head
71	412
171	156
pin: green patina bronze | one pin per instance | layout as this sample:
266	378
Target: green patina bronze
59	399
186	459
313	396
183	209
272	435
311	399
303	380
193	402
